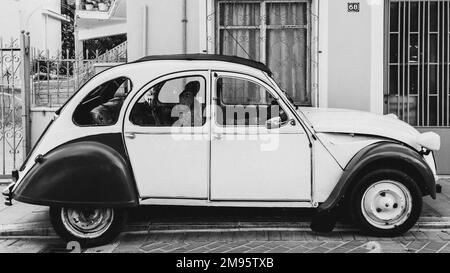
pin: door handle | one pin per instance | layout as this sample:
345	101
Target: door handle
130	135
217	136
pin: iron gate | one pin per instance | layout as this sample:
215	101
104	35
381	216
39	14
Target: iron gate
11	106
418	75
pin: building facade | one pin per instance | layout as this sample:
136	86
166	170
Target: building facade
41	18
383	56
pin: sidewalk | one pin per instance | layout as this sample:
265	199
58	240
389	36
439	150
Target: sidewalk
27	220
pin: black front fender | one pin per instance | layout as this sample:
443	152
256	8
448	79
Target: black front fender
381	154
86	173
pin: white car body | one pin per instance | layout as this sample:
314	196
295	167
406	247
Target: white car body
228	171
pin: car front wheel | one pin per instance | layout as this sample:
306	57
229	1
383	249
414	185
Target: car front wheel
88	226
386	203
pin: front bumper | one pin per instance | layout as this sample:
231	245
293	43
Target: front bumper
8	192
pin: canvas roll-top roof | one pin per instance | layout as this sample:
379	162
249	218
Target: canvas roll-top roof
208	57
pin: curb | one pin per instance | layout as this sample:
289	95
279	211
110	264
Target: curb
46	230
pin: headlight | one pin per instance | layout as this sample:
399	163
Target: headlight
429	140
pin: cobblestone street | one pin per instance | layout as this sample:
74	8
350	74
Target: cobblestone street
432	241
229	230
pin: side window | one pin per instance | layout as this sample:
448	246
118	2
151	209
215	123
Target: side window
177	102
243	102
101	107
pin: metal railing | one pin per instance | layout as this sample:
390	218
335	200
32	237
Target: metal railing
56	78
117	54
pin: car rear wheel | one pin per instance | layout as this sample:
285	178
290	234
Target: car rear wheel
88	226
386	203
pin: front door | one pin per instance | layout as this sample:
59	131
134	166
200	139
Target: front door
166	133
259	151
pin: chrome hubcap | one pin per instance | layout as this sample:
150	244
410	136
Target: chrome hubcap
386	204
87	223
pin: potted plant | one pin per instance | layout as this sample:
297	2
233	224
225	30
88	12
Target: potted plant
103	6
89	5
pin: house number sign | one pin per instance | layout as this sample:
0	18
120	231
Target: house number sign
353	7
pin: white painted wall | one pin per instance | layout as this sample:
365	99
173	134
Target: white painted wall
351	62
30	15
155	27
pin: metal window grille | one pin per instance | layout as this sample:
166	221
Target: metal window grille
418	63
275	32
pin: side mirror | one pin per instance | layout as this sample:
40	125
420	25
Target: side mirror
274	123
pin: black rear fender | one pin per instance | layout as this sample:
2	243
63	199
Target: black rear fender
85	173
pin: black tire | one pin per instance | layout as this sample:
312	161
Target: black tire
369	180
62	228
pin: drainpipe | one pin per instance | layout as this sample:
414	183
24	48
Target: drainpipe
145	31
184	22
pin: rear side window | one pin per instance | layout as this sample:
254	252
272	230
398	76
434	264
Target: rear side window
101	107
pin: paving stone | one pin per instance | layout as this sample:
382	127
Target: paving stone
319	249
199	250
359	250
435	245
341	249
420	235
258	249
173	246
215	245
236	244
240	249
255	244
273	244
299	249
179	250
279	249
444	235
292	244
312	245
432	235
417	245
408	236
153	246
392	247
220	249
426	250
353	244
331	245
446	249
